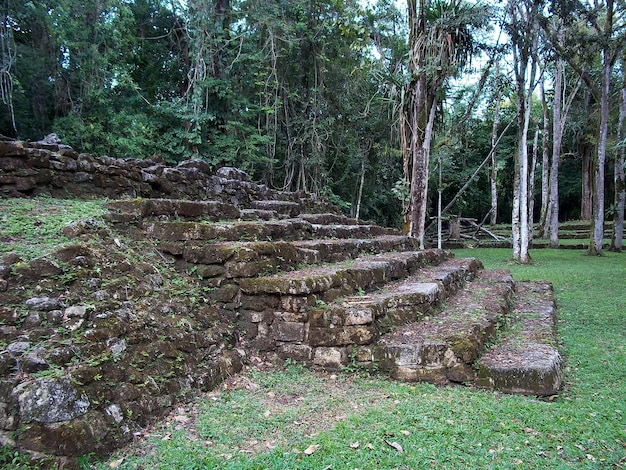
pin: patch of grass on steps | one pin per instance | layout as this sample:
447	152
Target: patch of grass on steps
32	227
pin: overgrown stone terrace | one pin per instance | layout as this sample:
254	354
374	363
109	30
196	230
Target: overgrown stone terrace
168	296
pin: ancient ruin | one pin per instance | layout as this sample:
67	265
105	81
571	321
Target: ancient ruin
193	268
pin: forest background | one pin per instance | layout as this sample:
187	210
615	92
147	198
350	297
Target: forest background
314	95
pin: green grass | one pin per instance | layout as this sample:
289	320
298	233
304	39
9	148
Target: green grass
266	419
32	227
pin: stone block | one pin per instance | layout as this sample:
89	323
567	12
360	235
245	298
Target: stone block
293	303
330	295
364	354
342	336
207	254
50	400
247	268
537	370
288	331
43	303
225	293
358	316
297	352
12	163
257	317
320	317
299	317
259	302
403	315
25	183
435	375
210	270
330	357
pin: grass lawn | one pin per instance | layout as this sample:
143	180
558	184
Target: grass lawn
291	417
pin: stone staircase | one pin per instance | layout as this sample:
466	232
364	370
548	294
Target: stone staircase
306	283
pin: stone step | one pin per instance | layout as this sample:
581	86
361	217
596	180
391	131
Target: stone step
134	210
393	305
325	315
442	348
248	259
352	231
287	229
338	249
288	208
526	359
331	281
328	218
260	214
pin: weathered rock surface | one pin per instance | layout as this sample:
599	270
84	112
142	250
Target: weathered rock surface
443	347
49	401
526	360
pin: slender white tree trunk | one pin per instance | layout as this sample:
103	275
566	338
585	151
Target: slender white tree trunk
595	246
494	152
523	17
439	197
531	187
515	217
557	138
545	166
360	193
523	189
620	192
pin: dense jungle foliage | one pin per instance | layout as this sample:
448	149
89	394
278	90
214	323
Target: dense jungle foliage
303	94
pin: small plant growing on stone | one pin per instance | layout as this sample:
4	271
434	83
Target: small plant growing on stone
321	304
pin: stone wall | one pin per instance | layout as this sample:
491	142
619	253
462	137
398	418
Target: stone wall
106	334
96	341
56	170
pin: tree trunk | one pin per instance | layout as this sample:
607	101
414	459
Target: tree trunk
557	139
515	217
360	194
439	198
545	167
524	257
523	26
587	182
415	123
494	152
419	179
620	193
597	221
531	187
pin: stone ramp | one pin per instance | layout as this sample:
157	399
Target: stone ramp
526	359
443	347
